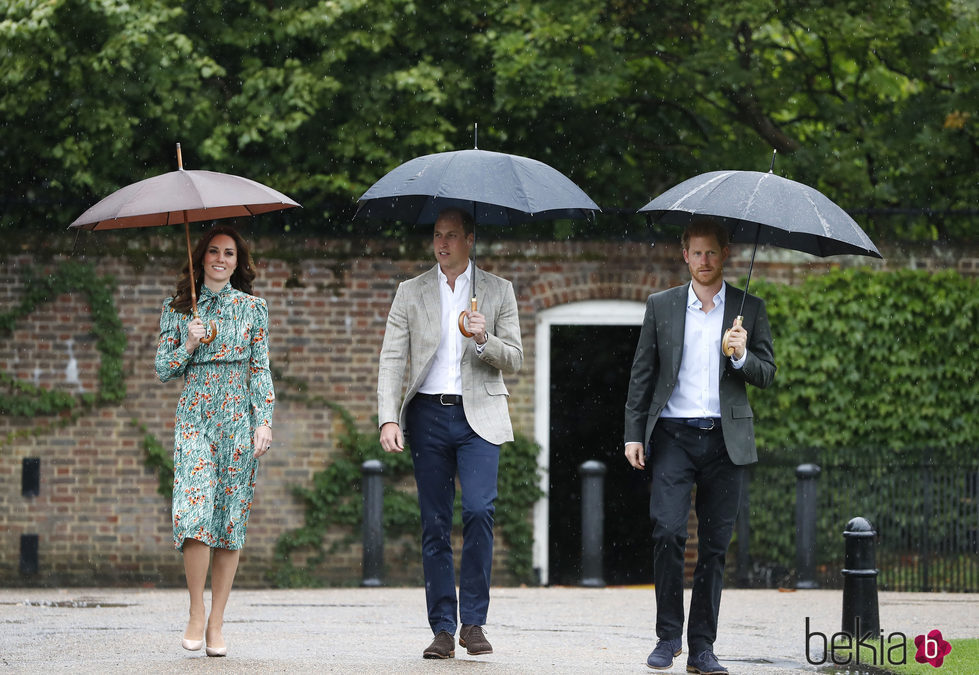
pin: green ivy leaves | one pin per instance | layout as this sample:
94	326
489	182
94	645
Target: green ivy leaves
882	360
24	399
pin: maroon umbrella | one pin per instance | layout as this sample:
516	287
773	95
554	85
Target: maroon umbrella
183	196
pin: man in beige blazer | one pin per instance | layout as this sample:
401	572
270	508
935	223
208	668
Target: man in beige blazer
454	413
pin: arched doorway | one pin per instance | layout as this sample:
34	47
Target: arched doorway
583	355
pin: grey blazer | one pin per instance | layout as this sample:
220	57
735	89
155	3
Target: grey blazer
412	336
657	363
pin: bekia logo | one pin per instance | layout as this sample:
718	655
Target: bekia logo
932	648
844	649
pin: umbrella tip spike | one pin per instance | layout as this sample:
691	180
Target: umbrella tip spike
475	135
180	159
772	166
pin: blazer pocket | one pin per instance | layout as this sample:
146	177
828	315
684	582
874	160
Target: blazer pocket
741	411
496	389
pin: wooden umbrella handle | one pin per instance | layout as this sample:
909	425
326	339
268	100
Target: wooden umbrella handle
212	332
727	349
462	320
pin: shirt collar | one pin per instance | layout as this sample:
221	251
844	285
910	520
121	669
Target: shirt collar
464	276
694	302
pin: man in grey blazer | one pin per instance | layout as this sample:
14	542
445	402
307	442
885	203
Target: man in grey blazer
688	418
454	414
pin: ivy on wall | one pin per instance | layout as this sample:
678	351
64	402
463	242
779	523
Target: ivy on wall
872	359
158	458
335	499
23	399
878	376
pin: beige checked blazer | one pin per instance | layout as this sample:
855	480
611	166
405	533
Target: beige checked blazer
412	336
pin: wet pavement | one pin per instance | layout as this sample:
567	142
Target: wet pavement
375	630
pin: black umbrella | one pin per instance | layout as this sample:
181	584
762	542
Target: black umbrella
763	208
495	188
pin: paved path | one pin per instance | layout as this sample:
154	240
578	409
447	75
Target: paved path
383	630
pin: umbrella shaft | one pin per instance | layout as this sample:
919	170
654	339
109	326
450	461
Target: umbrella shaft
751	266
190	269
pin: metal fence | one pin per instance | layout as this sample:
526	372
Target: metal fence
926	516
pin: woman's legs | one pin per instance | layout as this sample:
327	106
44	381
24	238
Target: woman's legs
222	576
196	558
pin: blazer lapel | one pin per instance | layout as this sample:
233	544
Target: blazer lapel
678	320
732	304
432	301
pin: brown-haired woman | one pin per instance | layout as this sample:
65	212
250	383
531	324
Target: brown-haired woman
223	420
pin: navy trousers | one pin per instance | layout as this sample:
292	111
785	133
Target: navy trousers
442	446
680	458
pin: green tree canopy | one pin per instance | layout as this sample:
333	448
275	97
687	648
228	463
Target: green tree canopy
873	103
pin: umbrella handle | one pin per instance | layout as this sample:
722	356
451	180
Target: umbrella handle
212	332
725	347
462	321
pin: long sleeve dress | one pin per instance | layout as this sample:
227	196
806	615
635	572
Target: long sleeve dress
227	393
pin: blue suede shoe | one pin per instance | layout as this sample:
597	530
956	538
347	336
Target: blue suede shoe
662	657
705	663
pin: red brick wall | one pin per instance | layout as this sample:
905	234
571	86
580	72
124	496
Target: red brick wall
99	516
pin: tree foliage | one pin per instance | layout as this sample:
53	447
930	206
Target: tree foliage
872	103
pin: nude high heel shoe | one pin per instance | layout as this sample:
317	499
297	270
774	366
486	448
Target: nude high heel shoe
192	645
216	651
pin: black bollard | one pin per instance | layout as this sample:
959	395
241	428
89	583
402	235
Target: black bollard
860	612
373	487
592	522
805	525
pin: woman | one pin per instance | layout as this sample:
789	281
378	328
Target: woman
223	421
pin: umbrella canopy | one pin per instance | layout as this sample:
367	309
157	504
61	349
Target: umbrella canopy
179	196
496	188
182	197
764	208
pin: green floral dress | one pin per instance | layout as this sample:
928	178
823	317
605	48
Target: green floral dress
227	394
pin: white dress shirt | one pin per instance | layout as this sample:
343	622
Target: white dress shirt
445	376
697	391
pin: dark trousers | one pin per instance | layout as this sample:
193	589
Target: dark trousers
681	457
443	445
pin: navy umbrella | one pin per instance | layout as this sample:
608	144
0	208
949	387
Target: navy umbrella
496	188
763	208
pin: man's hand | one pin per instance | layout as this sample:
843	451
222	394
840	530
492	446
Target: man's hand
391	438
634	453
477	326
737	339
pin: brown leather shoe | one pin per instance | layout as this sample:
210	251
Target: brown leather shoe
442	647
472	638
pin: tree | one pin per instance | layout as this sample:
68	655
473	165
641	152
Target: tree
872	104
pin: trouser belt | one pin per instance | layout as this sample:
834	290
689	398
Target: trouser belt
444	399
701	423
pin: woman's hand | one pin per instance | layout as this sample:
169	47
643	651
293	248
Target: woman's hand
263	440
195	332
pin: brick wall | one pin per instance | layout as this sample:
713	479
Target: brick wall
99	516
